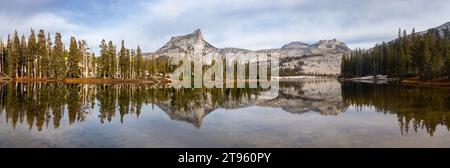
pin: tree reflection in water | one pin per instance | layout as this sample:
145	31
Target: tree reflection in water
416	107
42	105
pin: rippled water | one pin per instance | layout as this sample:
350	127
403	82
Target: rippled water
307	113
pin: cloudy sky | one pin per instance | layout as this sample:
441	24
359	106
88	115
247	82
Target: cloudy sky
252	24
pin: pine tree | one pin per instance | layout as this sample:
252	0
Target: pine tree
123	62
23	56
416	53
112	57
104	62
426	57
132	64
66	59
42	54
58	63
94	65
2	57
344	65
8	53
139	63
436	56
400	67
13	56
152	66
446	55
84	57
74	59
32	54
50	73
407	52
128	64
16	55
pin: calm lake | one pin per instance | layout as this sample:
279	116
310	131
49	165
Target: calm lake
307	113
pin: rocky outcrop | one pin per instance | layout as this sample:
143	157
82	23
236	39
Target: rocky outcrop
442	29
186	44
321	58
296	58
295	44
333	46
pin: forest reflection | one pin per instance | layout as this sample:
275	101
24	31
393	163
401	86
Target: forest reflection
415	107
40	105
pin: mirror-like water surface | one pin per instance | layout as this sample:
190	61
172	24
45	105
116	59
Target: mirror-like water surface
307	113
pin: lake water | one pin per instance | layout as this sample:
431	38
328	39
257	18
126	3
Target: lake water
307	113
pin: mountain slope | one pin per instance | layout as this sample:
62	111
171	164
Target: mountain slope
296	58
442	29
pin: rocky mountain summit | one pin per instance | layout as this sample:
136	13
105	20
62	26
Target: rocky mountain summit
445	26
186	44
330	45
295	44
442	29
296	58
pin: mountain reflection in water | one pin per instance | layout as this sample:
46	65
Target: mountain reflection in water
42	106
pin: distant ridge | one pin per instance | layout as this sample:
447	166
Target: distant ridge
297	57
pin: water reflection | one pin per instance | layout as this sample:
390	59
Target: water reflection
40	105
416	107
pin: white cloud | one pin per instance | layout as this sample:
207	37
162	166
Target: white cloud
47	21
252	24
51	22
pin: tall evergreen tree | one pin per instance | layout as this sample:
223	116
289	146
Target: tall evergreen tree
32	54
401	53
132	64
58	63
8	57
423	55
446	55
2	57
94	65
50	73
13	56
112	57
139	63
407	51
123	62
23	56
84	53
128	64
42	55
74	59
426	57
104	62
